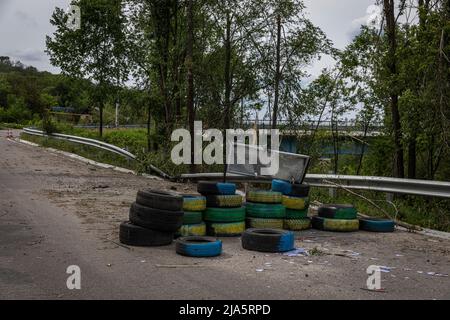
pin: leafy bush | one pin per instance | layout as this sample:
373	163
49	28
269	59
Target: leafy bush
17	112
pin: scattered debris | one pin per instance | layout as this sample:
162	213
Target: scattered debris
316	252
101	186
297	252
351	253
177	265
382	290
386	269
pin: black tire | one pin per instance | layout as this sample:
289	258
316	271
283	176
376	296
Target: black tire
156	219
163	200
268	240
133	235
300	190
207	188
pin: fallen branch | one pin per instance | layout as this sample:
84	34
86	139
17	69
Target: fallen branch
177	265
120	245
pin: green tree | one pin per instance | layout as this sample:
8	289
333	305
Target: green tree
96	51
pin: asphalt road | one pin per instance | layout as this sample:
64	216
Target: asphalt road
56	212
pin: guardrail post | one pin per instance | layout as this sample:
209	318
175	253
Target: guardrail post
332	191
389	197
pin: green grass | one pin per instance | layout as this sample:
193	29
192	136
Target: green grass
4	126
82	150
433	213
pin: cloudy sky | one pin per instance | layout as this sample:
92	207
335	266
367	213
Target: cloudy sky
25	23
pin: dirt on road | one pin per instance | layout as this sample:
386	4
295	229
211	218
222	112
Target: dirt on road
56	212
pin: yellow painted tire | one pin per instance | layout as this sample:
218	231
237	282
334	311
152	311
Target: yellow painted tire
339	225
234	229
257	223
189	230
295	203
297	224
270	197
194	203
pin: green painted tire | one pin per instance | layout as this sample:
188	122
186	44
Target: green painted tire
265	211
258	223
191	217
224	201
338	211
224	214
234	229
297	224
295	203
338	225
194	203
193	230
270	197
377	224
296	214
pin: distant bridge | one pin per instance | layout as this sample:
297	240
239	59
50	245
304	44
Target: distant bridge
307	127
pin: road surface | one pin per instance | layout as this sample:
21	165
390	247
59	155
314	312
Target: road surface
56	212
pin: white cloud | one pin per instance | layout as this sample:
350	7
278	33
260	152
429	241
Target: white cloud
28	55
373	17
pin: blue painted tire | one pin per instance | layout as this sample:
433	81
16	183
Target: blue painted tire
268	240
376	225
289	189
281	186
200	247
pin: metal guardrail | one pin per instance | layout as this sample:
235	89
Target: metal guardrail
380	184
84	141
96	144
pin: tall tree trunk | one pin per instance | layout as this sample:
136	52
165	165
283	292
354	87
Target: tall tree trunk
176	63
277	74
363	148
100	106
228	84
412	146
190	77
149	121
389	13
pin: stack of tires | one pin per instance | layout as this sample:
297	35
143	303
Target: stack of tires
296	201
193	225
154	219
224	215
264	210
336	217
